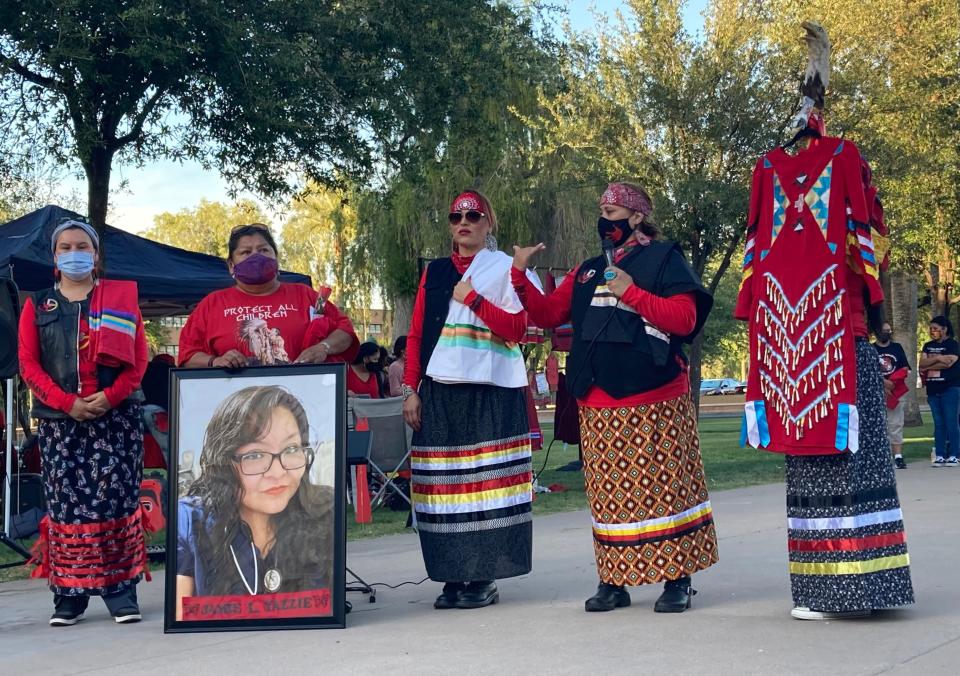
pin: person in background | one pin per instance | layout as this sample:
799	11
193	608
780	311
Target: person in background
941	374
362	373
395	370
894	368
382	372
156	380
83	352
261	320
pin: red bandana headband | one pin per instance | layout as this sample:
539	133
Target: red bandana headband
467	201
622	195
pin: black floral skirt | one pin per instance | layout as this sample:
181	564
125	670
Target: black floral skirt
471	472
92	539
846	538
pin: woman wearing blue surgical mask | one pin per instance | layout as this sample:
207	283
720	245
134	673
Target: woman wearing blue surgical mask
83	352
261	320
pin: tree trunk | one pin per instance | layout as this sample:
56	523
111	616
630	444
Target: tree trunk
696	357
903	320
402	312
97	168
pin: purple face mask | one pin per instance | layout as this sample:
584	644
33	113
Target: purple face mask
255	269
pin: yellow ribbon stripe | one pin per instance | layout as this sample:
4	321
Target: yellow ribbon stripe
639	530
850	567
479	496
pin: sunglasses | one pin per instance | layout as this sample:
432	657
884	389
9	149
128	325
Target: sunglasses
472	216
250	227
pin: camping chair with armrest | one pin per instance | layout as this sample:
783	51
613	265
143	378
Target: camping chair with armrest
390	439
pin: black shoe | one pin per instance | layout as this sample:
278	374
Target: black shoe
608	597
899	462
675	597
448	599
347	606
478	595
68	610
575	466
127	615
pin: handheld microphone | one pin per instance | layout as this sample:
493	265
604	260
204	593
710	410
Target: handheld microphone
608	247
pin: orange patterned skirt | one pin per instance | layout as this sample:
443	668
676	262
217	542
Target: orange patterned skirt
652	519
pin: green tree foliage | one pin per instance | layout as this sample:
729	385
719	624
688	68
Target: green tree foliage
484	145
256	88
319	239
896	91
686	117
206	227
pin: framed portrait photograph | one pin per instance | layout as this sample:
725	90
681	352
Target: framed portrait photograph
256	537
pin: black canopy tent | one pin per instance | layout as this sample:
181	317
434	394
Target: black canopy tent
170	280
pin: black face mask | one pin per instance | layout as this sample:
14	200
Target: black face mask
374	366
617	232
885	336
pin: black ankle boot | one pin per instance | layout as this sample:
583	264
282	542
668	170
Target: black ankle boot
478	594
608	597
675	597
448	598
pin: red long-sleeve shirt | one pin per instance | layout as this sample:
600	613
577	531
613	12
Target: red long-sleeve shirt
675	315
49	392
510	327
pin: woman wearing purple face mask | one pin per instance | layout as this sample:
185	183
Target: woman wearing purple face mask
261	320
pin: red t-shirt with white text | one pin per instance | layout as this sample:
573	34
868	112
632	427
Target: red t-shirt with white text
267	329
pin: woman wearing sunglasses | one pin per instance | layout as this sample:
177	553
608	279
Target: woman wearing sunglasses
253	523
261	320
463	390
652	520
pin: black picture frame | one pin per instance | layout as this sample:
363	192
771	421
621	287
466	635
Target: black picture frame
198	390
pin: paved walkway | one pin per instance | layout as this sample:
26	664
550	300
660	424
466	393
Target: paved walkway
739	624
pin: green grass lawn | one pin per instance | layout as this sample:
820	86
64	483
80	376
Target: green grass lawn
727	465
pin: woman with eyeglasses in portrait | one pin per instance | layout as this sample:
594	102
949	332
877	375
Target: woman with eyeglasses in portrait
253	523
941	376
463	390
261	321
83	353
632	309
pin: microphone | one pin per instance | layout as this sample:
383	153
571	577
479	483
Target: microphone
608	247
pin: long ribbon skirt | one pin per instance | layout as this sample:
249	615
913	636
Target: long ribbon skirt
652	519
471	474
92	538
846	540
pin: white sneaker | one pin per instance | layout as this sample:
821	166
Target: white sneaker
939	462
801	613
951	462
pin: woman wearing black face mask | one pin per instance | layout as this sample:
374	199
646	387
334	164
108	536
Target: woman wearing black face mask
261	320
362	374
652	520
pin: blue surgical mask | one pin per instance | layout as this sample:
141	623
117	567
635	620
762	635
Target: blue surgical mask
76	265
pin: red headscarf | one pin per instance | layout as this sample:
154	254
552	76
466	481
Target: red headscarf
622	195
468	201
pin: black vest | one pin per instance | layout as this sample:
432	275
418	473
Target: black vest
611	347
58	332
438	285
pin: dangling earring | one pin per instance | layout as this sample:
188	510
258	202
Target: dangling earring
490	242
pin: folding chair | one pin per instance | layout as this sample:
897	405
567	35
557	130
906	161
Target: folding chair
390	439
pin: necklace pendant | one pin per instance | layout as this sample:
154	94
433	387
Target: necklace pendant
272	580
